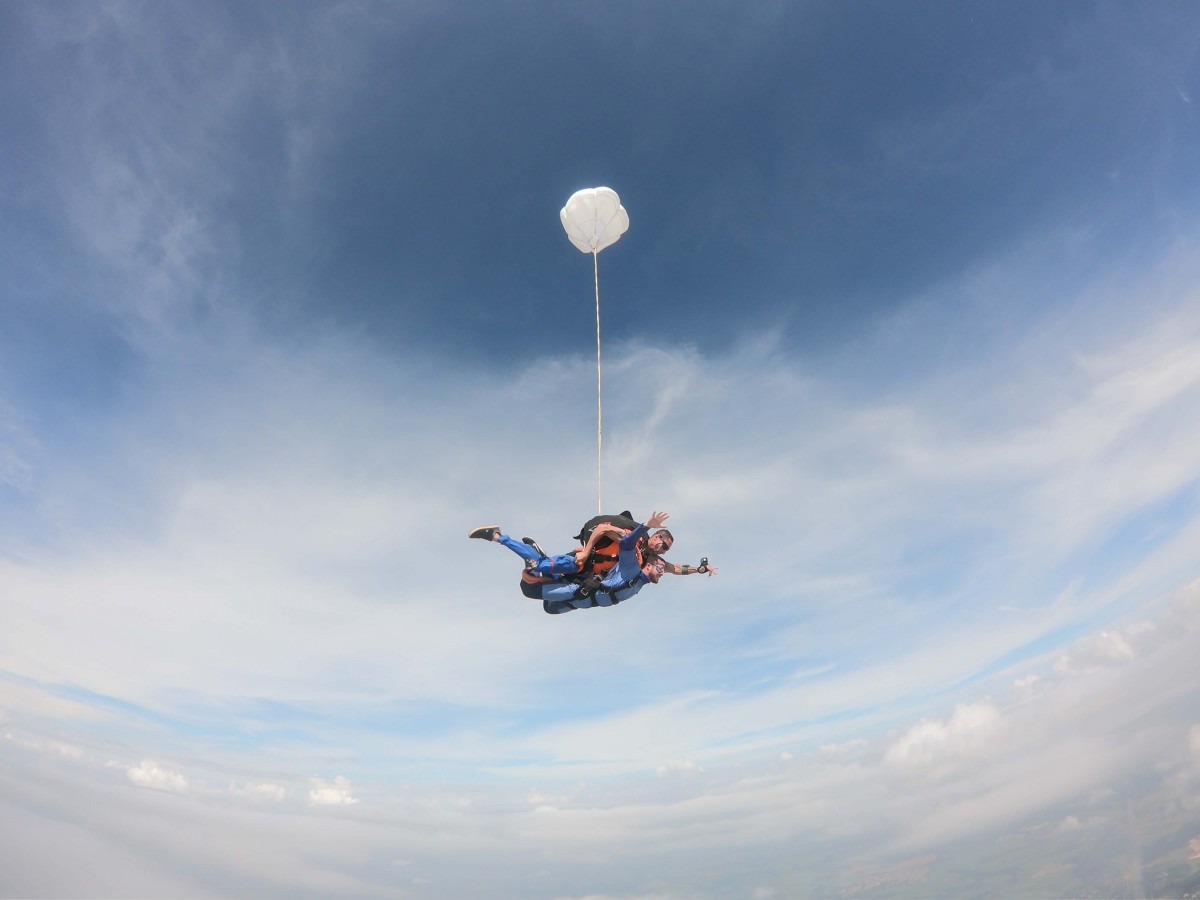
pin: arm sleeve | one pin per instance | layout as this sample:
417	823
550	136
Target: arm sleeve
630	540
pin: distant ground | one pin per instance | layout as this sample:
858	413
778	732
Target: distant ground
1148	847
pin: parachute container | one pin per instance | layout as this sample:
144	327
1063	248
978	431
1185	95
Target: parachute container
594	218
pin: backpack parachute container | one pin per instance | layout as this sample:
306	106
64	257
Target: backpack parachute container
607	550
623	519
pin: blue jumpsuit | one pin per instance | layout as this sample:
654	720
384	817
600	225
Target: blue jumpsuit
623	580
546	566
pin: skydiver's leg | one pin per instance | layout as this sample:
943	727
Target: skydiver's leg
556	597
560	597
554	566
559	591
520	548
547	566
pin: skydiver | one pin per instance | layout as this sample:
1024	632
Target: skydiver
652	548
630	574
602	531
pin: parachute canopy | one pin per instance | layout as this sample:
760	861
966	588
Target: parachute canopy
594	218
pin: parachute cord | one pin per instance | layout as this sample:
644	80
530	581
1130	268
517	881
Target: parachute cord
599	407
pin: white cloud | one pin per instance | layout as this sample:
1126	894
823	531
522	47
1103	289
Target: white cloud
967	732
335	793
1112	647
554	800
1108	648
678	767
1080	731
60	749
150	774
849	749
262	790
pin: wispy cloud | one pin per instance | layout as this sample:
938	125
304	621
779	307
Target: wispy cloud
334	793
986	764
150	774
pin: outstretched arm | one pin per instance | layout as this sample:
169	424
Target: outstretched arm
704	569
631	538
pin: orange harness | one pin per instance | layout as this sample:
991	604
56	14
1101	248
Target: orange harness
605	555
607	551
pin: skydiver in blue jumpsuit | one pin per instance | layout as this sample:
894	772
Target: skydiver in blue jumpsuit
621	582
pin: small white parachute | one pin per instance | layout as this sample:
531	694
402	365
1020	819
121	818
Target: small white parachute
594	218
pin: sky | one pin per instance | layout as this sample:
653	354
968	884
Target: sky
904	335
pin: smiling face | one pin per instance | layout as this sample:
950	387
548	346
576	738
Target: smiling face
654	570
660	542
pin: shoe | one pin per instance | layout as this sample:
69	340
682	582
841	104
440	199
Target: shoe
534	544
485	532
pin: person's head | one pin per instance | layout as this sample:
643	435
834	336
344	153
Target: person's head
654	570
660	542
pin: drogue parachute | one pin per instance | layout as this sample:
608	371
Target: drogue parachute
594	219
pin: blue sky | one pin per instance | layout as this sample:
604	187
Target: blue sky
905	335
